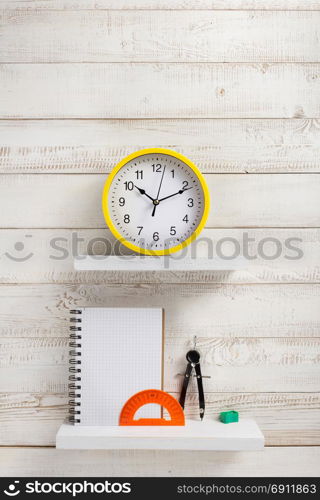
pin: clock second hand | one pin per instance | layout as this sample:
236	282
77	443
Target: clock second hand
156	201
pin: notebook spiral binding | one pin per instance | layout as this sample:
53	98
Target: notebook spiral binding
75	367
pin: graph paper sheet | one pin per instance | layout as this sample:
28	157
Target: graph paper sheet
121	354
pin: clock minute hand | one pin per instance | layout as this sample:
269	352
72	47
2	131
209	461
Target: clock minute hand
174	194
142	191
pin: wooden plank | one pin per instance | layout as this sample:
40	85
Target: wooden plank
272	255
252	365
217	146
35	363
159	36
272	462
160	4
65	200
30	419
238	310
286	419
161	90
236	365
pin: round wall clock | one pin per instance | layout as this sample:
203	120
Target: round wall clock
155	201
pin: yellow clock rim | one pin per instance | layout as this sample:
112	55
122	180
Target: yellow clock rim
136	248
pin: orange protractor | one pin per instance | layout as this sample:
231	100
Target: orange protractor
153	396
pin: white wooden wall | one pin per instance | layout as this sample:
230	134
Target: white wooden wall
234	85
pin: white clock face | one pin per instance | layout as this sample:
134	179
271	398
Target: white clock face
156	202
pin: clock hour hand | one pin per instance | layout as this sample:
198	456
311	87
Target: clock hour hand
174	194
142	191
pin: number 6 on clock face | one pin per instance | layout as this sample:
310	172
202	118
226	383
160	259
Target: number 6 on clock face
155	201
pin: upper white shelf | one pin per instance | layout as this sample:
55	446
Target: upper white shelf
149	263
213	435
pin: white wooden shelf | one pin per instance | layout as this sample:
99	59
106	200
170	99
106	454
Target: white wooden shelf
139	263
244	435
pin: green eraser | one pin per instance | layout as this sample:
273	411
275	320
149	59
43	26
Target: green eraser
227	417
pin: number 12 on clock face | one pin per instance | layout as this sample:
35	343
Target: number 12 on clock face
155	201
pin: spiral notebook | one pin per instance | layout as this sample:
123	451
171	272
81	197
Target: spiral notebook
115	353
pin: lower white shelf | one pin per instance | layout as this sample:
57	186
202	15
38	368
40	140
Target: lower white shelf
195	435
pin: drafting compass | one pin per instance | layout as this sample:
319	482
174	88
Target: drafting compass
193	358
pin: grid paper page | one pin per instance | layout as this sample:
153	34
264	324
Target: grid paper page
121	354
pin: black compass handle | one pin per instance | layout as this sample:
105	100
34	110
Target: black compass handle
200	390
185	384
